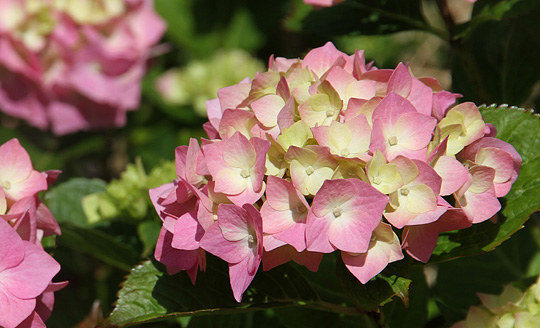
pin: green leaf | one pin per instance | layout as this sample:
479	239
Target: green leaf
150	295
99	245
367	17
522	130
496	51
65	200
379	290
149	233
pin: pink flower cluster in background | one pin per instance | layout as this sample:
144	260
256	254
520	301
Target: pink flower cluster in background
26	270
72	65
329	154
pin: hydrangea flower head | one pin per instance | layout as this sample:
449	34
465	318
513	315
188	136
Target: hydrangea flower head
330	154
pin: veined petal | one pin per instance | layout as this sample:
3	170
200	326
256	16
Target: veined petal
238	152
233	222
231	181
421	199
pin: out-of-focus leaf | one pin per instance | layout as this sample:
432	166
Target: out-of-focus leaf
201	32
366	17
99	245
65	200
520	129
497	57
379	290
148	233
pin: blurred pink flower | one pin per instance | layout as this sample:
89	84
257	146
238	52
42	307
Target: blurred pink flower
74	65
324	3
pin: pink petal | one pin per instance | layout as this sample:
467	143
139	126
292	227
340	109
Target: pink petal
229	251
14	310
233	222
320	60
401	81
174	259
11	247
421	97
453	174
187	232
240	278
32	275
15	162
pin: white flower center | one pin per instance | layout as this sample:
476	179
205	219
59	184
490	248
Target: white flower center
392	140
330	112
310	170
337	212
345	152
377	180
244	173
5	184
404	191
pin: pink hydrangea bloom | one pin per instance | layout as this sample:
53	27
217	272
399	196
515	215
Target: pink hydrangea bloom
26	270
324	154
18	178
25	273
74	65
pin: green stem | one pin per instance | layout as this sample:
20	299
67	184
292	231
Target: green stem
336	308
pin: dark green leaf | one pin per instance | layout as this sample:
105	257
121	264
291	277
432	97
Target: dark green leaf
64	200
520	129
98	244
497	52
149	294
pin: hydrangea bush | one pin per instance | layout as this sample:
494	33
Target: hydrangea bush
70	65
26	270
328	153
